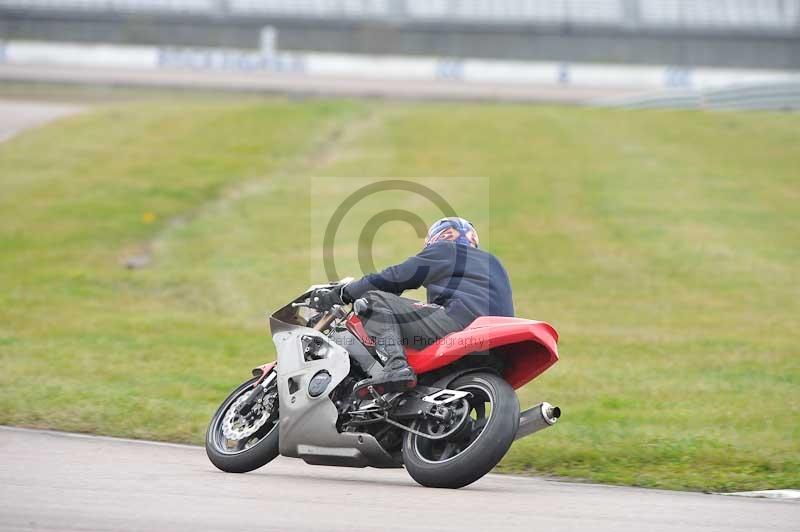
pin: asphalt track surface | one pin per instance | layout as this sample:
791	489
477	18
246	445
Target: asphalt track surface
56	481
16	115
302	85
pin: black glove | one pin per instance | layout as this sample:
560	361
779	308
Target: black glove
325	298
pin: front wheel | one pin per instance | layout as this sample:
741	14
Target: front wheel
470	453
237	443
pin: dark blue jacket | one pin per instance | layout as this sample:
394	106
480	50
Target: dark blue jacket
468	282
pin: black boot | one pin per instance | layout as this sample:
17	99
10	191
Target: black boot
397	376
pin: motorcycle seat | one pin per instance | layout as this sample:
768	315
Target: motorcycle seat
527	347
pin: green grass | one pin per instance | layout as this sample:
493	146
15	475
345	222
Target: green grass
664	247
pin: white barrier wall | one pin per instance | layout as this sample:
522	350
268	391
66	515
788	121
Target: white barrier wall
382	67
71	54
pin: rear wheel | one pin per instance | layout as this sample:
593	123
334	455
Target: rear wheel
471	452
238	443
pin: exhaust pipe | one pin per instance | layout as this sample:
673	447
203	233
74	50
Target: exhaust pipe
537	418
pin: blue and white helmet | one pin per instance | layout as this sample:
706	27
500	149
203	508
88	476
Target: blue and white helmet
453	229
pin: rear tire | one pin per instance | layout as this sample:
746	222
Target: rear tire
482	451
247	458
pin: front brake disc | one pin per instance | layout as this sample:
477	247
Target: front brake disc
237	427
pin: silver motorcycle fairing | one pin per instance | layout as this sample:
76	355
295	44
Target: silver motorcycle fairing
308	424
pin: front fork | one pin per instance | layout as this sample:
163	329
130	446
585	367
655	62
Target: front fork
265	378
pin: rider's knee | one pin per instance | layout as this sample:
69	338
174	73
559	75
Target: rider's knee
376	297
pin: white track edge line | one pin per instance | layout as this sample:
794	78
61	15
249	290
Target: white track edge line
779	494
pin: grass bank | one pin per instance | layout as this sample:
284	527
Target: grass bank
664	246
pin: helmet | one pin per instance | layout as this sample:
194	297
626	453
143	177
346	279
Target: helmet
453	229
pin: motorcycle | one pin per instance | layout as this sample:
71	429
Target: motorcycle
448	431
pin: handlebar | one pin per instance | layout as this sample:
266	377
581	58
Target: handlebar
328	317
326	321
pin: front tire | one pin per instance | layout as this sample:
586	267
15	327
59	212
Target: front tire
233	445
457	462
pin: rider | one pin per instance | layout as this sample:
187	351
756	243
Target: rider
463	283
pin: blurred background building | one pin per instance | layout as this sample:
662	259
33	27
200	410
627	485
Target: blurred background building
508	41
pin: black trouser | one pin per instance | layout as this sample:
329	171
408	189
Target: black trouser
396	322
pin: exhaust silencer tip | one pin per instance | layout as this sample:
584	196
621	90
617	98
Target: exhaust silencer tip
550	413
537	418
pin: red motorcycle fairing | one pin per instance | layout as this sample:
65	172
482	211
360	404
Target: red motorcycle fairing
527	347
